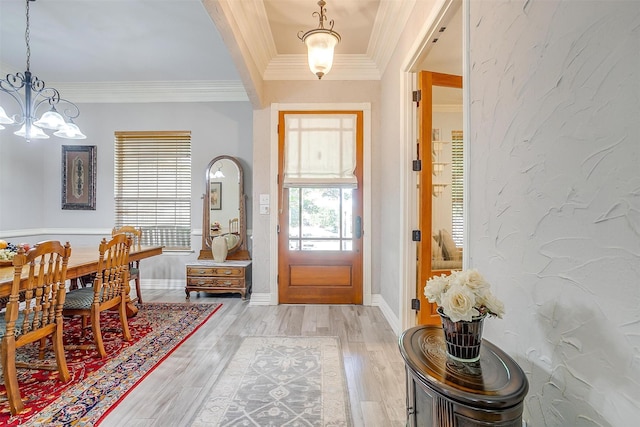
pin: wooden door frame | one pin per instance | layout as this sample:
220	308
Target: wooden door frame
408	132
366	195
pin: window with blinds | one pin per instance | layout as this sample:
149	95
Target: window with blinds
457	168
153	186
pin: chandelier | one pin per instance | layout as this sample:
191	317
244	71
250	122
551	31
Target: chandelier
37	95
320	43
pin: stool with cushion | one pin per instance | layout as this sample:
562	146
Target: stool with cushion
38	316
109	291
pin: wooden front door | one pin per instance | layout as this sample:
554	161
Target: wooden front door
320	224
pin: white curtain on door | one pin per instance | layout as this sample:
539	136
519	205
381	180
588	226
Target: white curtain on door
320	150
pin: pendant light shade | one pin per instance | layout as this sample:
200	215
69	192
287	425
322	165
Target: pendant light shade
70	131
34	132
4	119
320	52
320	44
50	120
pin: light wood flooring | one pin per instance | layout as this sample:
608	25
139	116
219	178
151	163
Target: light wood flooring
173	393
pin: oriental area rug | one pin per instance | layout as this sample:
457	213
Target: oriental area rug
280	381
97	384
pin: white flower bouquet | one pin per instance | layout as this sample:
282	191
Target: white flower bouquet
463	295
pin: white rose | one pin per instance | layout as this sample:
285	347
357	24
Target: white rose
473	280
458	303
493	305
435	287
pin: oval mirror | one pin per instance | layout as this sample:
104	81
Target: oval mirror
224	206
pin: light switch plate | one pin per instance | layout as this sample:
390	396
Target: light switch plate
264	209
264	199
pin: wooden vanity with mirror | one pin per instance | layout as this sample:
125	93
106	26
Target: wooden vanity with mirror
223	216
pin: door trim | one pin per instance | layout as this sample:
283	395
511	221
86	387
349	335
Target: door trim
366	196
407	276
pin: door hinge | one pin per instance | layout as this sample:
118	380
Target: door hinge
417	165
417	96
415	304
416	235
278	228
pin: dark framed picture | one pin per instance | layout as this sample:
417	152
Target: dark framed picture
216	196
79	177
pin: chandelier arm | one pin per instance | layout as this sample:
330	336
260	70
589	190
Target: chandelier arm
13	90
70	110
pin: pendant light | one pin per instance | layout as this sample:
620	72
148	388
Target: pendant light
320	43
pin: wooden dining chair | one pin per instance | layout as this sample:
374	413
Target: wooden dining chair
34	312
134	268
109	291
234	226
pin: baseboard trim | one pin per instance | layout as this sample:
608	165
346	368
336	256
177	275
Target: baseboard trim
162	284
392	319
260	299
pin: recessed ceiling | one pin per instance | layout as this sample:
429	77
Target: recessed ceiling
176	41
353	20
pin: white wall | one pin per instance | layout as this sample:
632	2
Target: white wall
554	215
30	173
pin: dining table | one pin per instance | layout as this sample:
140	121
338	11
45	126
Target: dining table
82	262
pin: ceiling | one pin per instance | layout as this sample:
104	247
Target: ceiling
175	42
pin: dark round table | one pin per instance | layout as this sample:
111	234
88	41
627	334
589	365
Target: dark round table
443	392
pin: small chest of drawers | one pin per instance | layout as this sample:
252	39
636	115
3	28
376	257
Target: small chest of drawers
219	277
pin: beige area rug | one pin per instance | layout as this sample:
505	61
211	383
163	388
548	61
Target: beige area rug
280	381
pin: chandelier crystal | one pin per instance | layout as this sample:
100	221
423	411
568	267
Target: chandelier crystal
320	43
35	97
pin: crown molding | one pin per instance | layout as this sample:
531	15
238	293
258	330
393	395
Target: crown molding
387	28
144	92
345	67
251	19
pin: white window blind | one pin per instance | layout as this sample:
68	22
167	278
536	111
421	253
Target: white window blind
457	168
153	186
320	150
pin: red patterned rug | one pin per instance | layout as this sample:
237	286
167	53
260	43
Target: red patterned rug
99	384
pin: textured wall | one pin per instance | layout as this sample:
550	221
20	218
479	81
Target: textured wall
554	216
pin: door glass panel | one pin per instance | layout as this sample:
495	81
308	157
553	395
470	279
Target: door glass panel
320	219
447	179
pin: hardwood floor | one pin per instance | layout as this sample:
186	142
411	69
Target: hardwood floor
173	393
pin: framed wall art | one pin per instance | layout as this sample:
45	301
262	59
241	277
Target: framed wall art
216	196
79	177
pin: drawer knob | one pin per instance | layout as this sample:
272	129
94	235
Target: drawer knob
227	283
227	272
202	271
